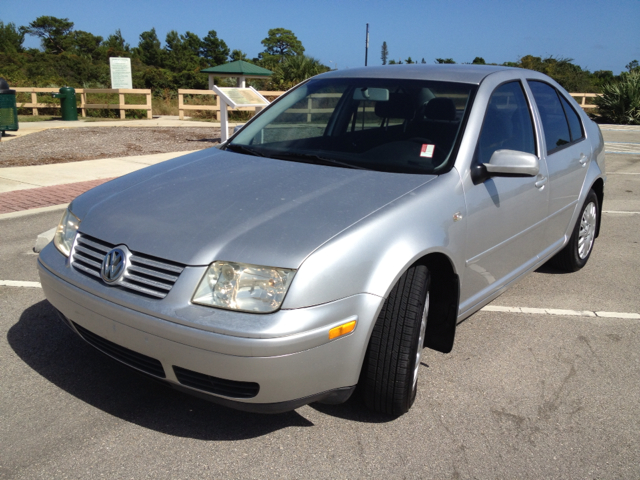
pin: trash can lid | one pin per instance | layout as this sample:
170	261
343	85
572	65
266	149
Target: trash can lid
4	88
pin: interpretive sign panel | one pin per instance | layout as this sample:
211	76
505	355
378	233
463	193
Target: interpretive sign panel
233	98
120	72
241	97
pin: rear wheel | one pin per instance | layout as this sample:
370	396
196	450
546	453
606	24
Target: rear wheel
392	362
575	254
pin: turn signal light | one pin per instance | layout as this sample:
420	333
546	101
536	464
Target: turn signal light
342	330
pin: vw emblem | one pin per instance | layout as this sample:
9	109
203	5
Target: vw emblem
113	265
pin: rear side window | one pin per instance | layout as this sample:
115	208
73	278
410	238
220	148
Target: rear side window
507	123
554	119
575	126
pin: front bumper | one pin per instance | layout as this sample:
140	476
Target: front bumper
289	370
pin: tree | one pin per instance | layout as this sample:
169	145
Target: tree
423	60
214	50
87	44
280	44
11	38
181	52
238	55
570	76
631	66
55	33
478	61
409	61
148	49
384	54
444	60
294	70
115	45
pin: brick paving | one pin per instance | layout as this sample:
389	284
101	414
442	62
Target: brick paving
19	200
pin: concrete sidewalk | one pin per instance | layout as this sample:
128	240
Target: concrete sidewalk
44	186
31	189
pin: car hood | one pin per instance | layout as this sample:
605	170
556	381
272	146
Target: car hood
218	205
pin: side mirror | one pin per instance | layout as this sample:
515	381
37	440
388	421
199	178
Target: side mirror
511	162
507	163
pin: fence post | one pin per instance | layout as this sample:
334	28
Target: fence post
149	107
34	100
121	102
180	105
83	102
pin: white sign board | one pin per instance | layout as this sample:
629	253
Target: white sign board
120	72
236	97
241	97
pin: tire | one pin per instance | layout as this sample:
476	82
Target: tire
390	372
575	254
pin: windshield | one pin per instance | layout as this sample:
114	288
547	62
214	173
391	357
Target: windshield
405	126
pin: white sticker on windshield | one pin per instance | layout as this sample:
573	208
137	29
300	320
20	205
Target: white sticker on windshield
427	150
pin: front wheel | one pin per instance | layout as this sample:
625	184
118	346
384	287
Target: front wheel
390	371
575	254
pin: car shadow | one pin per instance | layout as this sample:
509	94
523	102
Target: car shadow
550	270
52	350
208	140
353	410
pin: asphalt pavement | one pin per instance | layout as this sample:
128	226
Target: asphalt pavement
528	391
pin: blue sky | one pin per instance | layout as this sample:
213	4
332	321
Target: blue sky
597	34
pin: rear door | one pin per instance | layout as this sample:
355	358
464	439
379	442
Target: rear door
567	154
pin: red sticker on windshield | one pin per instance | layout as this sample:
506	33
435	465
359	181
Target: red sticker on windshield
427	150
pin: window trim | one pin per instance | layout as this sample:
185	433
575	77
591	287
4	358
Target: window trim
536	133
566	119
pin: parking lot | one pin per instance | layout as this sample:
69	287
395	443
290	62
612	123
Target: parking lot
543	384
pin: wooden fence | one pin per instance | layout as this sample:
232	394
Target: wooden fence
270	95
83	105
584	96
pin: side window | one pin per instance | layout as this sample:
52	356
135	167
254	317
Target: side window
554	122
507	124
575	126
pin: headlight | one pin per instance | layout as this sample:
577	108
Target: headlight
66	232
247	288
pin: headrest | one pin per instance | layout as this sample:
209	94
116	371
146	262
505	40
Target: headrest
440	109
398	106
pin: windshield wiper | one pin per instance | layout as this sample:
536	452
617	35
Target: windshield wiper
243	149
311	158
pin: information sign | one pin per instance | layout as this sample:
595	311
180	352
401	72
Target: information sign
236	97
120	72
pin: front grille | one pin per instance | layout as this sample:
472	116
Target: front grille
144	274
219	386
128	357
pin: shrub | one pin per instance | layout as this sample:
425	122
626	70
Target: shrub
620	101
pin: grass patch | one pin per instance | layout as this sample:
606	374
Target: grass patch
37	118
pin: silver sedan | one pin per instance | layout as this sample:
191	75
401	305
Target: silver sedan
353	222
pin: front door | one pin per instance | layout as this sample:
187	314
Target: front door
506	216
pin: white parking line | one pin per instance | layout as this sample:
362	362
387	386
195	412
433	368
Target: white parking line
563	313
17	283
620	212
488	308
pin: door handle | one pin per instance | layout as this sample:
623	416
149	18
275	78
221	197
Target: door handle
542	181
583	159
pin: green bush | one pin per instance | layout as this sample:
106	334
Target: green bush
620	101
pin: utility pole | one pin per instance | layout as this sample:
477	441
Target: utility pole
366	50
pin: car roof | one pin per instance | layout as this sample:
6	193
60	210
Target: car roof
473	74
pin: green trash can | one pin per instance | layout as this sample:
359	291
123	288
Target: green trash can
8	109
68	104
